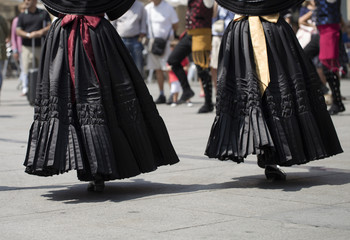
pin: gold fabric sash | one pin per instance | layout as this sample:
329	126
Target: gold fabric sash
201	46
257	36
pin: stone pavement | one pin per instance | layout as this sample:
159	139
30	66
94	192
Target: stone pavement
198	198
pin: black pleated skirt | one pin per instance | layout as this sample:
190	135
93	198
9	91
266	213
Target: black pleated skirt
288	124
104	125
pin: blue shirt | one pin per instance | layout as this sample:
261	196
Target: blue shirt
225	15
327	12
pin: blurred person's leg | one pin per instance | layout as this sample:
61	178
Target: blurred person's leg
207	87
175	88
330	58
37	56
135	48
312	49
137	55
182	50
214	59
160	80
26	63
334	83
156	63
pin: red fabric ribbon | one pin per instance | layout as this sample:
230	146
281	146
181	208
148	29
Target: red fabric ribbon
82	23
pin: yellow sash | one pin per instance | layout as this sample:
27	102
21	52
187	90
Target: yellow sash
201	46
257	36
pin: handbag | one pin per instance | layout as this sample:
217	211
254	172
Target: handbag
158	46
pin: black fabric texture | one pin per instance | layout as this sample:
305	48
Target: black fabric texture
106	126
113	8
289	124
258	7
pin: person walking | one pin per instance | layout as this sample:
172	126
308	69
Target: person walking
309	39
4	34
269	99
221	19
196	40
32	24
162	22
16	41
328	19
93	111
132	28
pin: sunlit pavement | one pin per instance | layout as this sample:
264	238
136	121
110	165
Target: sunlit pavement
198	198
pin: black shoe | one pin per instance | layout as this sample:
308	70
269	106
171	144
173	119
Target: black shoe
335	109
275	173
170	99
96	186
261	161
186	95
206	108
161	99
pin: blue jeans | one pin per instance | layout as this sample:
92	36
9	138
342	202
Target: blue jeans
135	48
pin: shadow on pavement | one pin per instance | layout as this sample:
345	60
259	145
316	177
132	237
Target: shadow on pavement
7	188
299	180
12	140
120	191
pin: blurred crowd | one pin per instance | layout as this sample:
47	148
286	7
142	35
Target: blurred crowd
161	51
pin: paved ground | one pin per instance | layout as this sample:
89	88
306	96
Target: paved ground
198	198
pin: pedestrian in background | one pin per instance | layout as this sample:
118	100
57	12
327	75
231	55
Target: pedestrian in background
328	20
32	24
162	22
4	34
132	29
309	39
175	85
196	40
221	19
16	41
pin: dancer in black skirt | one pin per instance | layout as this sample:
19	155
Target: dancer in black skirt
93	112
269	99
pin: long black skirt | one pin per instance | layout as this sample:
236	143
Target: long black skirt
288	124
105	124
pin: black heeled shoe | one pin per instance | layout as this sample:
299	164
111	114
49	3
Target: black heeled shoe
96	186
206	108
335	109
275	173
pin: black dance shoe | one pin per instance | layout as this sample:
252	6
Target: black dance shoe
335	109
275	173
161	99
170	99
186	95
206	108
96	186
